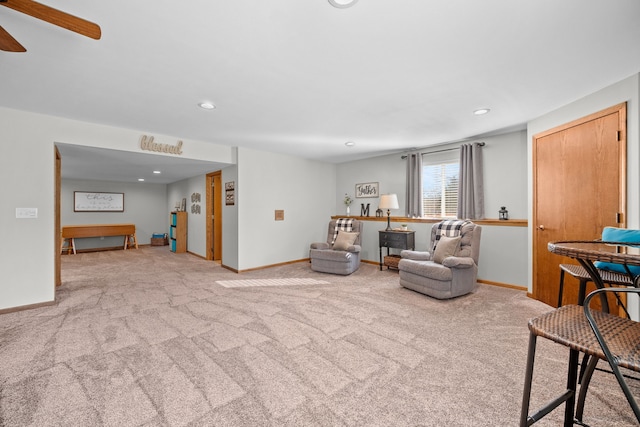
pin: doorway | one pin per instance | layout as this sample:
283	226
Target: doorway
57	229
214	216
579	187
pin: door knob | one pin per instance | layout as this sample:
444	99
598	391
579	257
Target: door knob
541	227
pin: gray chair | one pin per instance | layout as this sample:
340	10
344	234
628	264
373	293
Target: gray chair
338	256
447	271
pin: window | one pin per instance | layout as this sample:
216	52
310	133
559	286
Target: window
440	189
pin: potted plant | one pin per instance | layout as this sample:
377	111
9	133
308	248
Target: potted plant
347	202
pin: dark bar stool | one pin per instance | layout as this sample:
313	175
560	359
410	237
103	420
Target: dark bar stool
597	334
579	272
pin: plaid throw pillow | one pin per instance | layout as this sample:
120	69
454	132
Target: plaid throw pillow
449	228
342	224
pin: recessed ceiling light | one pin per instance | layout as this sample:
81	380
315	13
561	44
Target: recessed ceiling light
349	143
157	172
342	4
481	111
206	106
140	179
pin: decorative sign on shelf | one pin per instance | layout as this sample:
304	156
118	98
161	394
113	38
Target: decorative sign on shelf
84	201
147	144
368	189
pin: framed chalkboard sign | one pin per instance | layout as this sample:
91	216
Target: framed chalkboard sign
85	201
368	189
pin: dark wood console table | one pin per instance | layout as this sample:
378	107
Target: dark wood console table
396	239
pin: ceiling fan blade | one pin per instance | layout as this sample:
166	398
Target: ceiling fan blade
55	17
8	43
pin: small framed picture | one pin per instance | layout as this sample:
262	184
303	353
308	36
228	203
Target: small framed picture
229	185
230	198
367	190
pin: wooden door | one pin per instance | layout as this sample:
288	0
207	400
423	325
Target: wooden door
214	216
579	188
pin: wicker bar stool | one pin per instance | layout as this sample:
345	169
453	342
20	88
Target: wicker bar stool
579	272
598	334
611	278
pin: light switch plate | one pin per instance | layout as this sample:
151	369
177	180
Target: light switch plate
26	213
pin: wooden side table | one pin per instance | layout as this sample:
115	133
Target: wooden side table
397	240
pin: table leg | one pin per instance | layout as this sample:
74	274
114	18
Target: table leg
561	288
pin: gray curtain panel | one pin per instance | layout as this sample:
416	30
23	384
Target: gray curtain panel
414	206
471	186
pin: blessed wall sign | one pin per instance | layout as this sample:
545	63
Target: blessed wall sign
147	143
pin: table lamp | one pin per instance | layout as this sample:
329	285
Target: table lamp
389	201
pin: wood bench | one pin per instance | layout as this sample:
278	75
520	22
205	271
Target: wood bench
72	232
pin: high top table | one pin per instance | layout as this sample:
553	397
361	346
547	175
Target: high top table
574	327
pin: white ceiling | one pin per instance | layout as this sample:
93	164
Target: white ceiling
80	162
303	77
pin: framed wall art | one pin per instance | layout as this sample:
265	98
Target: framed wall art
230	198
367	189
85	201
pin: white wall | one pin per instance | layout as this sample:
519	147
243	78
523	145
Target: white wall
628	90
144	205
503	253
28	173
505	177
266	182
230	229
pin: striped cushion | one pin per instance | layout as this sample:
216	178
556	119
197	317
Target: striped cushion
342	224
449	228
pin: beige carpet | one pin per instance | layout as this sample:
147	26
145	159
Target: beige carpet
148	338
249	283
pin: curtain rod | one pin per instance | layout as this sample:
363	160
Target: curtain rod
481	144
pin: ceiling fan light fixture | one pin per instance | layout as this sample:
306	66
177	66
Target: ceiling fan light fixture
47	14
342	4
206	105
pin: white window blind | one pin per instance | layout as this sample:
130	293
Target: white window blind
440	189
